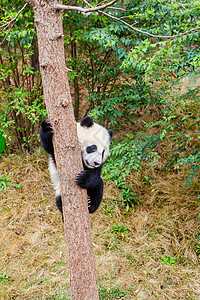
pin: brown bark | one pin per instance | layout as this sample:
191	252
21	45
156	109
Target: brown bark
76	84
83	280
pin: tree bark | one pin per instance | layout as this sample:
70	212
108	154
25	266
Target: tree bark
76	84
48	20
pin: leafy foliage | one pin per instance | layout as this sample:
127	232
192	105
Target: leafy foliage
5	181
168	260
21	107
97	51
178	126
165	18
119	230
126	156
182	126
114	293
5	277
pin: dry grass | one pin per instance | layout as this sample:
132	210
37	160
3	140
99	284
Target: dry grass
33	243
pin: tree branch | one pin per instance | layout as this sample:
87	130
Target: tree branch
8	24
147	33
178	4
117	8
31	2
136	29
85	10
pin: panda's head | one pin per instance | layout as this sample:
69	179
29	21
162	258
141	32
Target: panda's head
95	142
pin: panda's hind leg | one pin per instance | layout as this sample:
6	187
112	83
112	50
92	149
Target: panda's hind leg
59	203
94	198
46	137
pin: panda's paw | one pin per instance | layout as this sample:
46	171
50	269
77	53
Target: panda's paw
46	126
81	179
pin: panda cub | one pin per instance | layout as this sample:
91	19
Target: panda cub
95	141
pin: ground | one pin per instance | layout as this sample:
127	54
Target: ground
150	252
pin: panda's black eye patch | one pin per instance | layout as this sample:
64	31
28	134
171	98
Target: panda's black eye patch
103	153
91	149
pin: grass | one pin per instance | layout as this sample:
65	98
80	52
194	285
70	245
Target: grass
148	253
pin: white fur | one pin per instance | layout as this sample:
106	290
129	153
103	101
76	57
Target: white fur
54	175
94	135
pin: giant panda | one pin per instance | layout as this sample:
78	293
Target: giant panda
95	142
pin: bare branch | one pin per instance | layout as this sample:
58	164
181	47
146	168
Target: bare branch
87	3
68	7
178	4
85	10
117	8
31	2
111	7
147	33
8	23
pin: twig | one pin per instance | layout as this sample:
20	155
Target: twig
87	3
124	17
118	8
178	4
14	17
13	20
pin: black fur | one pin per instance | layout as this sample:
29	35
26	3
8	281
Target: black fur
87	122
59	203
89	179
46	138
110	133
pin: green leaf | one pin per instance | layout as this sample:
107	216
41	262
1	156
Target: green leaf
2	142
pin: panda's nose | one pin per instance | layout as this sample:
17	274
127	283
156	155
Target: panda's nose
96	163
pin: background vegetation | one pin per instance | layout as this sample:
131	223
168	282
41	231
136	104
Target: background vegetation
146	88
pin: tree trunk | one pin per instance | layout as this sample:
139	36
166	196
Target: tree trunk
83	279
76	85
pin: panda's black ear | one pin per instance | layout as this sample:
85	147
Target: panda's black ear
87	122
110	133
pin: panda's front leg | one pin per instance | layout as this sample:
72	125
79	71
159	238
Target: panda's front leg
88	179
93	183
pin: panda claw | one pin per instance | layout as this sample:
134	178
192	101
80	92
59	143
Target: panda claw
46	126
81	179
89	201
